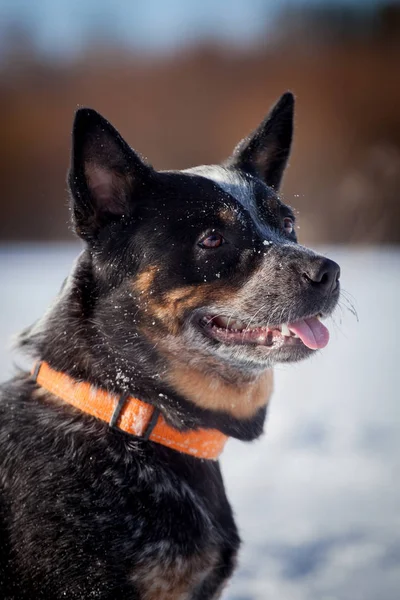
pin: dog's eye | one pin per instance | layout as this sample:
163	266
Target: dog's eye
288	225
212	241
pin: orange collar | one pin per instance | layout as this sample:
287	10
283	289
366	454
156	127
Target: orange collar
129	414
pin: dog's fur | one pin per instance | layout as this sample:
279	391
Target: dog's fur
91	512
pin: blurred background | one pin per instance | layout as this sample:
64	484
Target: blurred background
185	80
317	498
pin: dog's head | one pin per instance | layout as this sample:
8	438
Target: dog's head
204	263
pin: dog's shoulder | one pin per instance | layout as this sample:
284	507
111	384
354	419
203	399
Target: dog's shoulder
106	495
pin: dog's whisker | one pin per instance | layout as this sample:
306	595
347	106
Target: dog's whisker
349	303
253	317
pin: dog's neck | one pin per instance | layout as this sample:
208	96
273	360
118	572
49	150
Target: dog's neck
69	340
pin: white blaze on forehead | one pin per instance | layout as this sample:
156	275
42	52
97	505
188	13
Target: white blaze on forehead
239	187
231	182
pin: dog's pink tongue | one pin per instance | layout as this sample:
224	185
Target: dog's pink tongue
312	332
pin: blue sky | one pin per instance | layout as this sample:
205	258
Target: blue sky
64	26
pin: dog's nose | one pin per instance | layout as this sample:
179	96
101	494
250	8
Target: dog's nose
323	274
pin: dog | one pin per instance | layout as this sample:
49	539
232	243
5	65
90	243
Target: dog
191	286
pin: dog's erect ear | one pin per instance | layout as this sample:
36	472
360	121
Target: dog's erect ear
265	152
103	175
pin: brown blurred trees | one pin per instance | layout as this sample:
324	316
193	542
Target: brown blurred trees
194	106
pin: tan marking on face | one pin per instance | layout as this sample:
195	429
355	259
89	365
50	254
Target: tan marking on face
181	299
227	215
241	400
174	305
145	280
173	579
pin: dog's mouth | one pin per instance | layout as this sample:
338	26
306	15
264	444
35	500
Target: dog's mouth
308	332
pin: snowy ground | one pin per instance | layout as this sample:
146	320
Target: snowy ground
317	499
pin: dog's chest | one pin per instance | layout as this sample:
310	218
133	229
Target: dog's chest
174	578
112	515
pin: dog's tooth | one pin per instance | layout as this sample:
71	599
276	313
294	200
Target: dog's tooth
237	325
223	321
285	330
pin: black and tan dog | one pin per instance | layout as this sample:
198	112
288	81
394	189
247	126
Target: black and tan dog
190	288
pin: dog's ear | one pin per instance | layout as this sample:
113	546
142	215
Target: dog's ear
265	152
103	175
